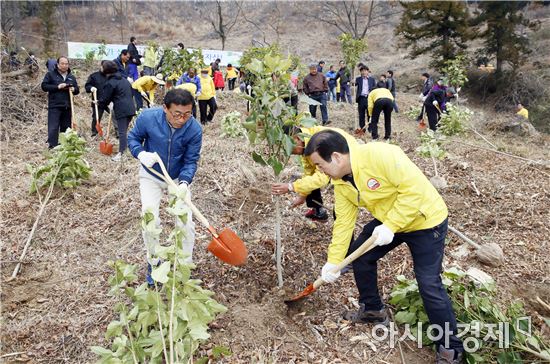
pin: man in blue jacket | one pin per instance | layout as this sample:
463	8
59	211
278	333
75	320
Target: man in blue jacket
123	65
175	136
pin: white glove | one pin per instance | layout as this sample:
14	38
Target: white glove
434	103
143	93
130	79
198	94
424	98
385	235
93	89
421	96
183	188
148	159
327	275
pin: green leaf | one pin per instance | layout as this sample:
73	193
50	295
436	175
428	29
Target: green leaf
405	317
258	159
308	122
289	145
219	351
101	351
160	273
114	329
276	165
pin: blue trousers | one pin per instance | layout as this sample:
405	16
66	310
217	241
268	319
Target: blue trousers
427	248
322	98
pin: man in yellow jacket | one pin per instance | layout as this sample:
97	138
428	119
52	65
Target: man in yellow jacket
146	84
406	209
521	111
380	100
309	186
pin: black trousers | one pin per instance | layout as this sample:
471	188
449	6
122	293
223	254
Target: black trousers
362	109
385	105
231	83
293	101
95	118
427	250
315	195
123	124
210	106
433	116
59	120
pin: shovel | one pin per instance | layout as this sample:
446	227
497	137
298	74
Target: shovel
97	123
73	122
104	146
312	287
227	246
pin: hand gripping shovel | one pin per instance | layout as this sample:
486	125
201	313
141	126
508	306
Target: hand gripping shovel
104	146
97	123
227	246
73	122
312	287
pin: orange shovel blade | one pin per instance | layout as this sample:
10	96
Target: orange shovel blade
99	128
105	147
229	248
306	292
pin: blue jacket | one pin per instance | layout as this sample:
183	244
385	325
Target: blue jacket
179	150
124	71
186	79
331	75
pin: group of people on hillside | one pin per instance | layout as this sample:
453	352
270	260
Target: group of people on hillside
380	177
372	96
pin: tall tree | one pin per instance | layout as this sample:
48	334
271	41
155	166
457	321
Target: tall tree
502	37
47	14
437	28
222	18
354	17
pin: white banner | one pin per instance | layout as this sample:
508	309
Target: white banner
77	50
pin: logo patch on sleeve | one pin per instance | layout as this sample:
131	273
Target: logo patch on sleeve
373	184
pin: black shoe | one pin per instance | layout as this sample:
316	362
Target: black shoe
448	356
327	122
363	316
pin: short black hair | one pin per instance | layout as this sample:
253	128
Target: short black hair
383	75
325	143
180	44
124	51
363	67
59	58
218	60
110	67
103	62
178	96
426	74
321	62
229	65
390	72
132	39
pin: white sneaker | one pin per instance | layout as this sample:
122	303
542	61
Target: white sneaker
117	157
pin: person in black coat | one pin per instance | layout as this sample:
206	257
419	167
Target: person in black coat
390	85
362	94
118	91
95	82
434	105
57	84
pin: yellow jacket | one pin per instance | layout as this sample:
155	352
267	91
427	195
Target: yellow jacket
524	112
313	178
378	93
146	84
189	86
150	58
208	90
231	73
391	187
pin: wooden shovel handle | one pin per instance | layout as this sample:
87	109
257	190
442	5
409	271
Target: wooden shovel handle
108	125
166	177
365	247
95	106
73	123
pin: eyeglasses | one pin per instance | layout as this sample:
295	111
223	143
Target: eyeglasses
178	115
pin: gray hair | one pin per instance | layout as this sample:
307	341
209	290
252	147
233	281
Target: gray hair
313	65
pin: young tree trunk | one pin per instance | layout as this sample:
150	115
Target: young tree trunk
278	246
